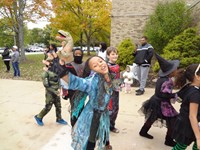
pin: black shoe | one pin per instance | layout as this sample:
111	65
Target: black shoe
140	92
115	130
171	143
137	90
146	135
65	97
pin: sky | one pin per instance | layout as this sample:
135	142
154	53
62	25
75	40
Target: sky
40	24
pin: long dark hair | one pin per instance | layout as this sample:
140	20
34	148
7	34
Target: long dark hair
103	46
186	74
54	47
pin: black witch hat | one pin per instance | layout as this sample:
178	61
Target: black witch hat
166	67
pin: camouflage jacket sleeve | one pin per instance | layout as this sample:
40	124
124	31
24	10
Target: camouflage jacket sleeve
46	83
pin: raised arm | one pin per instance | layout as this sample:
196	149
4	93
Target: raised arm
66	53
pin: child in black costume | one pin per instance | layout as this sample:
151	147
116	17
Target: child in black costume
186	128
75	67
159	107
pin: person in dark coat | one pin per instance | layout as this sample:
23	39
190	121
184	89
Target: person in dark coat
6	58
143	56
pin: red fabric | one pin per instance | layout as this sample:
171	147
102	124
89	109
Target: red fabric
110	105
64	92
116	70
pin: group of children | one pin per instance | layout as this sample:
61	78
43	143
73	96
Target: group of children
182	127
99	80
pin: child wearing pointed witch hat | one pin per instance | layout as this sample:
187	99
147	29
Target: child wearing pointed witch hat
159	107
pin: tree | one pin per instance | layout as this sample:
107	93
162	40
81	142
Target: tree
15	12
168	20
47	35
85	20
184	47
6	35
37	35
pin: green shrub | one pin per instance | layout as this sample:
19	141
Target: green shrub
168	20
184	47
125	51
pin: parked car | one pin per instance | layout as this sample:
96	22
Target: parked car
92	49
96	49
27	50
36	49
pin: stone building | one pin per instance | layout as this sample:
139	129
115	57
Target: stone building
128	17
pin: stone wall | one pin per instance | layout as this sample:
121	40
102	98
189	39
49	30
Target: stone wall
128	18
196	12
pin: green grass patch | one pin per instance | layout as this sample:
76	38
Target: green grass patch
31	69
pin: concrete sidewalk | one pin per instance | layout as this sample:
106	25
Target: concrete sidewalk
21	100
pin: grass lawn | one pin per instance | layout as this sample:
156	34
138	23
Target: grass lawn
30	69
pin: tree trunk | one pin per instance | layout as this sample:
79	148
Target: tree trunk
88	46
21	31
81	40
88	42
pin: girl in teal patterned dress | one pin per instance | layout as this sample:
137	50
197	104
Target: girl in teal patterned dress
93	125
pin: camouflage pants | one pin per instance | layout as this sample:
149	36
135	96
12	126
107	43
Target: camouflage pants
50	100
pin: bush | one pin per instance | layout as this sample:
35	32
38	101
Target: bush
125	51
184	47
168	20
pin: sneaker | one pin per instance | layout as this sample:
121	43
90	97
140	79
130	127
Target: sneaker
115	130
61	121
140	92
38	120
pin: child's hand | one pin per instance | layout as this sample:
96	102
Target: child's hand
58	92
46	62
54	55
45	68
